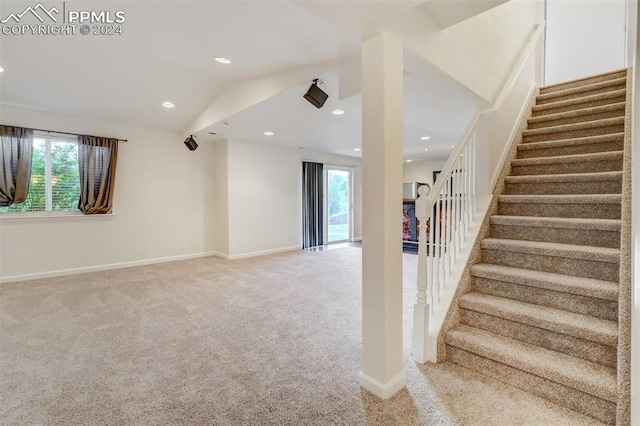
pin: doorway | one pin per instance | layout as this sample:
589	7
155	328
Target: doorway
338	204
583	38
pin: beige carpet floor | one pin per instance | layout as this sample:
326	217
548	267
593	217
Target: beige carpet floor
270	340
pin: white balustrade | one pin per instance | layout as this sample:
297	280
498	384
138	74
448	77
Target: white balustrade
447	218
444	214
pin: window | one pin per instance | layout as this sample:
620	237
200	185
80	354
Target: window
338	204
55	183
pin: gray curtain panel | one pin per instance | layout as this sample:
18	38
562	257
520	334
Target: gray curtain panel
97	158
312	204
16	151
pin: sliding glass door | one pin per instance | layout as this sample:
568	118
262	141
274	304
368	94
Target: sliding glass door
338	204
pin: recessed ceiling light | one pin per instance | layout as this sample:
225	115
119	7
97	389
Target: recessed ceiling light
337	112
223	60
168	104
268	133
357	149
408	161
1	69
453	146
426	150
425	138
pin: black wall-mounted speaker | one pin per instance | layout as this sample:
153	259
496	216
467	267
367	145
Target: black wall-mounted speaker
190	142
315	95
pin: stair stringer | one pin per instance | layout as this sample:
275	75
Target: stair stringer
623	407
452	317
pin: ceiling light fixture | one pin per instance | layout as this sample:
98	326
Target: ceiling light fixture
315	95
1	69
357	149
453	146
426	150
337	112
408	161
268	133
168	104
223	60
425	138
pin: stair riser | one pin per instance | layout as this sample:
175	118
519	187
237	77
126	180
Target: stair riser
557	188
555	264
586	211
572	149
572	120
578	105
587	81
543	101
574	399
570	134
612	165
585	305
563	343
583	237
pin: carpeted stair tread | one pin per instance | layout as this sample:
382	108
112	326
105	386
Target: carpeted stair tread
590	287
557	222
583	81
588	140
570	251
575	158
586	376
562	199
559	321
541	306
614	107
566	177
574	126
613	94
581	89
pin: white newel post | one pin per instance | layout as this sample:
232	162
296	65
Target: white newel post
420	331
382	75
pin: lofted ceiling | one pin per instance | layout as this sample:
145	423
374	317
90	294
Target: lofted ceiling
166	53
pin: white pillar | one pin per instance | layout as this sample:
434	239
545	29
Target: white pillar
382	74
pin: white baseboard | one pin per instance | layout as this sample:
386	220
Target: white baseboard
383	390
119	265
260	253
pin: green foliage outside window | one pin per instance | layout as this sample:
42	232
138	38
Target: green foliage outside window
338	192
65	183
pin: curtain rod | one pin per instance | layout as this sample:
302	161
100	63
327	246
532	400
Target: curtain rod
76	134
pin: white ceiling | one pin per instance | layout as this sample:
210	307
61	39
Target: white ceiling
166	52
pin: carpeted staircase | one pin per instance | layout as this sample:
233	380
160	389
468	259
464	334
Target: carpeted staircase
543	307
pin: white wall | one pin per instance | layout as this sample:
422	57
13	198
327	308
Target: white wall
163	205
421	171
221	196
584	38
479	52
495	132
265	196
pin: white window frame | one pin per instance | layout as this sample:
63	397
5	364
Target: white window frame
325	202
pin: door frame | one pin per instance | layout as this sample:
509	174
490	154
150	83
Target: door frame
325	225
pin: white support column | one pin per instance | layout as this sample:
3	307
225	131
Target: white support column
382	74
